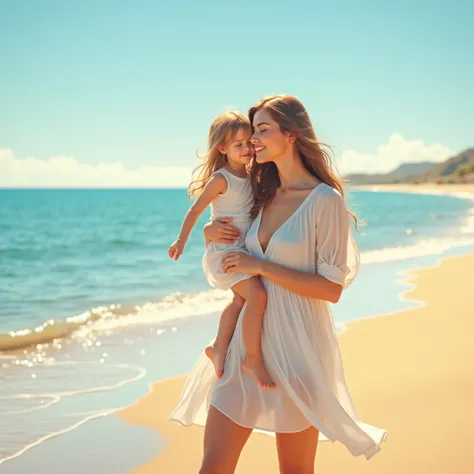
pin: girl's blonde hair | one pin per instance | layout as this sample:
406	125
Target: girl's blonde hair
291	116
223	129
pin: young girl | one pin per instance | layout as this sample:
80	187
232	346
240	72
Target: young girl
224	184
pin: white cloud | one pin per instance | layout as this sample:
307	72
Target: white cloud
65	171
389	156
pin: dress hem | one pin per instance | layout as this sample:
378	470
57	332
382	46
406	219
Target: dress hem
368	453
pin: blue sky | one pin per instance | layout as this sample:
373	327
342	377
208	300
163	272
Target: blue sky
136	83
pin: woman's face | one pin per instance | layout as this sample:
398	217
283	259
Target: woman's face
269	142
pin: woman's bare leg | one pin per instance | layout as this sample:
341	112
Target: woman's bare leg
218	349
253	291
223	443
297	451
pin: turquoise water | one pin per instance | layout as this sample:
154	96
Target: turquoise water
95	263
63	252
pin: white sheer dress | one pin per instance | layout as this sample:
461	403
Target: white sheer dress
299	343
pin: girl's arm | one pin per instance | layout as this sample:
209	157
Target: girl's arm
216	185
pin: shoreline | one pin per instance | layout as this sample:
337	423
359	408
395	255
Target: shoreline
16	340
455	190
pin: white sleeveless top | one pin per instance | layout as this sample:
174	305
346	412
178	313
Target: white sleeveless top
237	203
299	343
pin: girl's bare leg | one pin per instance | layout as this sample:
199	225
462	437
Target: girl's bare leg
223	443
253	291
218	350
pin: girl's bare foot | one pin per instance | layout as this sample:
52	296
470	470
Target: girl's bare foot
217	358
258	371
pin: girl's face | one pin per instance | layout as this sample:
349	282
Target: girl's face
269	141
239	150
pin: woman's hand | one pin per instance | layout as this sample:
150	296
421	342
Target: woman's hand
221	232
240	262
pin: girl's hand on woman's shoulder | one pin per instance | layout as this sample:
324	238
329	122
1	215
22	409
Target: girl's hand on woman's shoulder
221	232
241	262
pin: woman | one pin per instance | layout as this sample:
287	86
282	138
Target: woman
301	247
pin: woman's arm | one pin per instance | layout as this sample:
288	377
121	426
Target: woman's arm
302	283
221	232
332	229
305	284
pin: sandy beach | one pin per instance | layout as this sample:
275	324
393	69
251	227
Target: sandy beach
454	189
410	372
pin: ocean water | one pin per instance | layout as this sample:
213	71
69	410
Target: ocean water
92	309
65	252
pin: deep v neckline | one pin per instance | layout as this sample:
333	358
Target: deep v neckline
290	217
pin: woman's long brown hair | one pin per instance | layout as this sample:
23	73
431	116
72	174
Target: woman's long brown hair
292	117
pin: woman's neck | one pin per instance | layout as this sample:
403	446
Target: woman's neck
293	174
